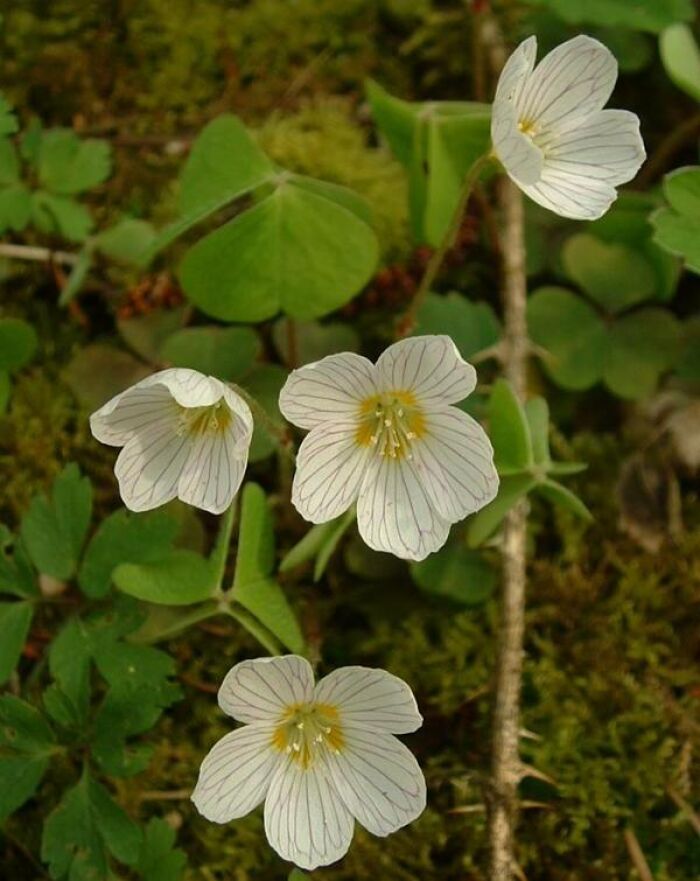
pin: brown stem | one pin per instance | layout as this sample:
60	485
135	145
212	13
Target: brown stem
506	769
637	855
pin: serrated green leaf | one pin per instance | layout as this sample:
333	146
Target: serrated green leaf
68	165
18	343
60	215
511	489
15	620
560	495
124	537
83	829
179	578
509	430
159	859
225	352
614	275
293	251
681	58
16	574
26	745
455	573
15	207
472	326
69	664
573	335
54	528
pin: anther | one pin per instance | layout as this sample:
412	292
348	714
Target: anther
300	726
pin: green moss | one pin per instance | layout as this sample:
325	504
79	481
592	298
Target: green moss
324	139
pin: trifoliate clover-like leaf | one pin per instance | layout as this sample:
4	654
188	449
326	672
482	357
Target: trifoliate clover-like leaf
473	327
26	745
68	165
677	227
159	859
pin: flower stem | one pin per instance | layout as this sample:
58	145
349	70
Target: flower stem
219	553
408	322
277	432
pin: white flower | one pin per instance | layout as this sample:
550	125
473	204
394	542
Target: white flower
386	437
321	757
553	137
184	435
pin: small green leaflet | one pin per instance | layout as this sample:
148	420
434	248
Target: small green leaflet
26	745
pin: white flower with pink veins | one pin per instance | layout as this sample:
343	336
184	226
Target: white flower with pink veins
320	756
552	135
386	437
184	435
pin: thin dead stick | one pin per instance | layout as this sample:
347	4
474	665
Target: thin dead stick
36	254
685	808
637	855
506	769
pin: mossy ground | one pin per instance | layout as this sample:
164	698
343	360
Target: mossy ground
612	690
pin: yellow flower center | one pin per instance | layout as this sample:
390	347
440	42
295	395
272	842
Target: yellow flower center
528	127
202	420
306	730
390	422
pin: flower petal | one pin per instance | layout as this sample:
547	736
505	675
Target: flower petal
571	195
329	388
379	780
236	774
260	690
149	466
394	512
305	820
454	461
571	82
428	366
189	387
521	158
370	698
607	146
137	409
215	467
329	470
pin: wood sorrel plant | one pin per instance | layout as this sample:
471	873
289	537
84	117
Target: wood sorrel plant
388	446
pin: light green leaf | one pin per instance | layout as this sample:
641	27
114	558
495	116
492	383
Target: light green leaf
253	588
511	489
573	335
126	241
472	326
159	859
69	664
68	165
332	541
293	251
313	340
681	58
180	578
342	196
264	383
224	163
509	430
613	275
677	228
560	495
455	573
54	528
18	343
124	537
77	276
26	745
396	120
225	352
15	620
648	15
309	546
537	415
60	215
641	346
